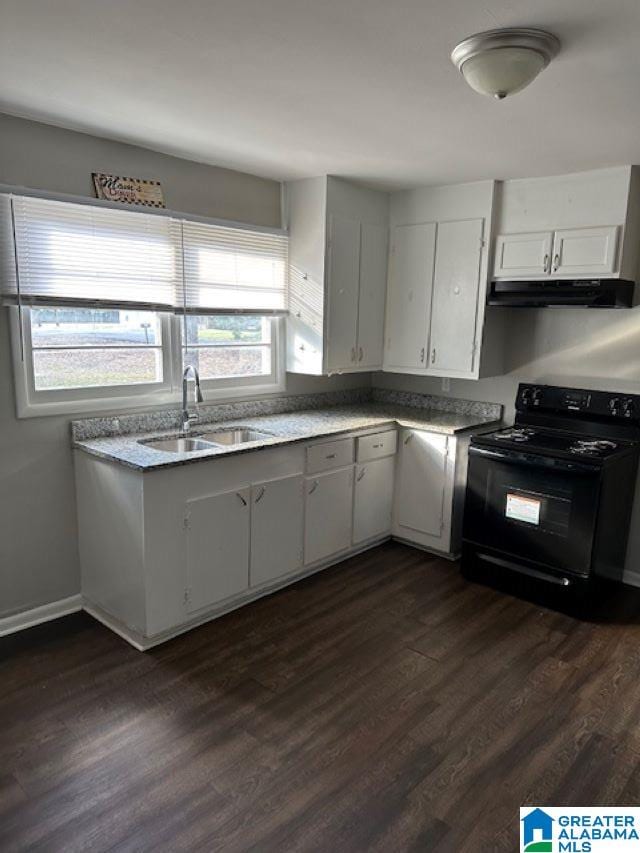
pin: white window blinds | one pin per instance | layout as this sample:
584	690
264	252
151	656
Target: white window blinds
82	253
230	269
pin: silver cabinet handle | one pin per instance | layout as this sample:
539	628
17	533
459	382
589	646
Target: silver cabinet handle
545	263
261	494
556	262
330	456
314	486
376	446
422	354
361	474
408	438
433	355
360	354
242	498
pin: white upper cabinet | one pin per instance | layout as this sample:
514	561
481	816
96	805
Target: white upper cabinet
456	285
585	251
344	274
409	295
583	225
435	298
520	255
436	293
338	236
569	252
374	240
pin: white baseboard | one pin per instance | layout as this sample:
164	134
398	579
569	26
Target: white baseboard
143	643
134	638
28	618
631	577
38	615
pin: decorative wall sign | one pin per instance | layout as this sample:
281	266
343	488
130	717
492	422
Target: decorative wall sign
128	190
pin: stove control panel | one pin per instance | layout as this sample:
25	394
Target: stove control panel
600	404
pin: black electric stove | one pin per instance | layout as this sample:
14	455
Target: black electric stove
550	498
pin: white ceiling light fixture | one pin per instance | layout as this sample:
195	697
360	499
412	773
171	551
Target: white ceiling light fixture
501	62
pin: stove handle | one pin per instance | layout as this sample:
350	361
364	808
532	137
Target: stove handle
533	461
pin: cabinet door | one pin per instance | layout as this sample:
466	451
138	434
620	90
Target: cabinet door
421	481
276	529
409	295
523	255
585	251
328	506
217	533
343	282
454	309
371	301
373	499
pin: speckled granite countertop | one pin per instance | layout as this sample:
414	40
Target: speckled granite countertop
285	428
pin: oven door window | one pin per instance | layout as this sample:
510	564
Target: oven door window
533	512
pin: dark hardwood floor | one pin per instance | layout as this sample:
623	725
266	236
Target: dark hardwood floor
383	705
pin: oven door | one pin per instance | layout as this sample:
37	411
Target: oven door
538	508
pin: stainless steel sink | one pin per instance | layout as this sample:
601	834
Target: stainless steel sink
234	435
178	445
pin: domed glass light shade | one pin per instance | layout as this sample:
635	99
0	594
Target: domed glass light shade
501	62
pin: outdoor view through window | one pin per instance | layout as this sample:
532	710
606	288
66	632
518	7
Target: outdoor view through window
85	347
228	345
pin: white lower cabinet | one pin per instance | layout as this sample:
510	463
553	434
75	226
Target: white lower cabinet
424	481
217	541
165	550
373	499
328	507
277	518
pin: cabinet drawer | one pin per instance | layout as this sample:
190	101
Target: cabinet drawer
376	446
331	454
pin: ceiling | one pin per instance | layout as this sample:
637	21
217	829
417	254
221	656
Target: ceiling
359	88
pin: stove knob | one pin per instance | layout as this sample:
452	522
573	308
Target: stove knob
614	405
628	408
526	396
536	396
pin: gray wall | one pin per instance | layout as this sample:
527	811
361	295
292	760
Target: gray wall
38	541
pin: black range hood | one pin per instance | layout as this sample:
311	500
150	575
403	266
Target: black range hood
562	293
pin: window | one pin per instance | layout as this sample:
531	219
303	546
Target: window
110	306
229	346
94	348
78	359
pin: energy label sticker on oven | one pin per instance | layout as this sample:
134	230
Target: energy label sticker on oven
523	509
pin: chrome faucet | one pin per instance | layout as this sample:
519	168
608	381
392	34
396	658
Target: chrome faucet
188	419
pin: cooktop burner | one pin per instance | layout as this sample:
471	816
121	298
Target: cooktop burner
519	434
593	447
553	442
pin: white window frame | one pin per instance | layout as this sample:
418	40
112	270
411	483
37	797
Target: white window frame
116	398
